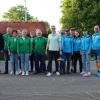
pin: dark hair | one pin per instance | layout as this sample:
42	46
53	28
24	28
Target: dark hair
84	29
67	30
75	36
15	31
72	29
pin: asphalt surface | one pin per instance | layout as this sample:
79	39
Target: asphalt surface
40	87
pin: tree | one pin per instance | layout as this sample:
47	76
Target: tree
17	13
80	13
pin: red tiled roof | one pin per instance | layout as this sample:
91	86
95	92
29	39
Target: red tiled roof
30	26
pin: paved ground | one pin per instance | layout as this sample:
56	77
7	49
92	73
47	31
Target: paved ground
40	87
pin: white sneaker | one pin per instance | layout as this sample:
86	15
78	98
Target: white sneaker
16	73
86	74
48	74
23	73
57	73
19	71
11	72
82	73
27	73
89	73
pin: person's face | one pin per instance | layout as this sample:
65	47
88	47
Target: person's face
67	33
39	33
96	29
14	34
85	32
9	30
76	34
19	33
53	30
24	34
72	31
32	35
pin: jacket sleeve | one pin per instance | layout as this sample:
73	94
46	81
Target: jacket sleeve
72	45
30	46
18	47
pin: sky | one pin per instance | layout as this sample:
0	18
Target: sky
45	10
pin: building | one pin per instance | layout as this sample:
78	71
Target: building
30	26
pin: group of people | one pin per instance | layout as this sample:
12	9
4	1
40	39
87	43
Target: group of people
68	47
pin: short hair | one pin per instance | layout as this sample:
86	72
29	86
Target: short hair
67	30
96	26
84	29
15	31
38	30
72	29
53	27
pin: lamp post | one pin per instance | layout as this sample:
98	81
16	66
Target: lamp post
25	11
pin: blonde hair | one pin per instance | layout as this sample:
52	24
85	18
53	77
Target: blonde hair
38	30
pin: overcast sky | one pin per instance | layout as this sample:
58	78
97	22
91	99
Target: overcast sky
46	10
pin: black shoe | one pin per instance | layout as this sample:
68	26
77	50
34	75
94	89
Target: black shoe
72	71
35	73
31	71
5	72
67	72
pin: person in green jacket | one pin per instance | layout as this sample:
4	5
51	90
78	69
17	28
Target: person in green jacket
6	38
24	50
12	45
32	58
39	44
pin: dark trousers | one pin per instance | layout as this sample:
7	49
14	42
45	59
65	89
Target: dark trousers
6	61
0	57
32	58
53	55
40	63
76	57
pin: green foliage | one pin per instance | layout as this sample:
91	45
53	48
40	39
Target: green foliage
17	13
80	13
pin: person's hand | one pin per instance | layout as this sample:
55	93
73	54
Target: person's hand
60	52
9	53
46	52
1	51
80	53
88	52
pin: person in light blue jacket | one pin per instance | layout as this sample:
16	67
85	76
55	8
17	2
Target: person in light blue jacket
85	52
67	51
76	52
96	47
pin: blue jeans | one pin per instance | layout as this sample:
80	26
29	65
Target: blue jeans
86	61
97	55
14	62
24	62
63	67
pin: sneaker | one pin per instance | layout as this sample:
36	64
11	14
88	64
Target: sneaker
97	74
27	73
16	73
86	74
11	73
89	73
57	73
82	73
23	73
19	71
48	74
